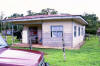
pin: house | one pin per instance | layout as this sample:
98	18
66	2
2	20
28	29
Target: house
49	30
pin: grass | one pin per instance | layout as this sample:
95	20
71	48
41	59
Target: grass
88	55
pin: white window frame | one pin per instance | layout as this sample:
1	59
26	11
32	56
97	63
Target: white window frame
82	32
75	31
57	31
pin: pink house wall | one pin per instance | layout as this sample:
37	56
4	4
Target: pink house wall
57	42
44	34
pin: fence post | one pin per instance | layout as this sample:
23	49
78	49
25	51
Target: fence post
64	48
30	44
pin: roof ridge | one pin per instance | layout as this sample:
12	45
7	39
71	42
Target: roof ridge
38	16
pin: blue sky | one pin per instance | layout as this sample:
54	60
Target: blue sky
75	7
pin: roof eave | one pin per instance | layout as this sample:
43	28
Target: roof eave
50	18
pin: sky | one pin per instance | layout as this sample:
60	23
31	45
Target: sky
74	7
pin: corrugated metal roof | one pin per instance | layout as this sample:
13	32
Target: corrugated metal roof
37	16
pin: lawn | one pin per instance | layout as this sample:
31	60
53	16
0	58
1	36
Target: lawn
88	55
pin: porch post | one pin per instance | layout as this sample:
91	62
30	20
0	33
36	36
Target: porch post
5	37
12	34
6	31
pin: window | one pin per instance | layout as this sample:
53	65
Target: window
56	31
83	31
75	31
78	31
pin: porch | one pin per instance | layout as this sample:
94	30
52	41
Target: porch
46	47
32	33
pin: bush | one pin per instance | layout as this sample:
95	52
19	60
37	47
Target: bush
91	31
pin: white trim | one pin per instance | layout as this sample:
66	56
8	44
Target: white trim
72	32
84	20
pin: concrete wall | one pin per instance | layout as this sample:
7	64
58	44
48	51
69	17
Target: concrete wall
57	42
25	35
78	39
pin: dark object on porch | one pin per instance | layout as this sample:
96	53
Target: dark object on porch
34	39
18	34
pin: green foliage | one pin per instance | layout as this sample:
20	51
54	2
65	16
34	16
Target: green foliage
1	18
93	23
88	55
46	11
0	25
16	15
30	13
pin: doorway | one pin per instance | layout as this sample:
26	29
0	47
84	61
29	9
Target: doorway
33	35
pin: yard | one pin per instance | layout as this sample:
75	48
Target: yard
88	55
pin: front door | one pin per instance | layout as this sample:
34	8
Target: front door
33	35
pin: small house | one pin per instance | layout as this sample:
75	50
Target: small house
48	30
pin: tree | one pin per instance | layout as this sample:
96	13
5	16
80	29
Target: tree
17	15
1	18
48	11
30	13
93	23
16	27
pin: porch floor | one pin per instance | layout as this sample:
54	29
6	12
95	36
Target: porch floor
33	45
